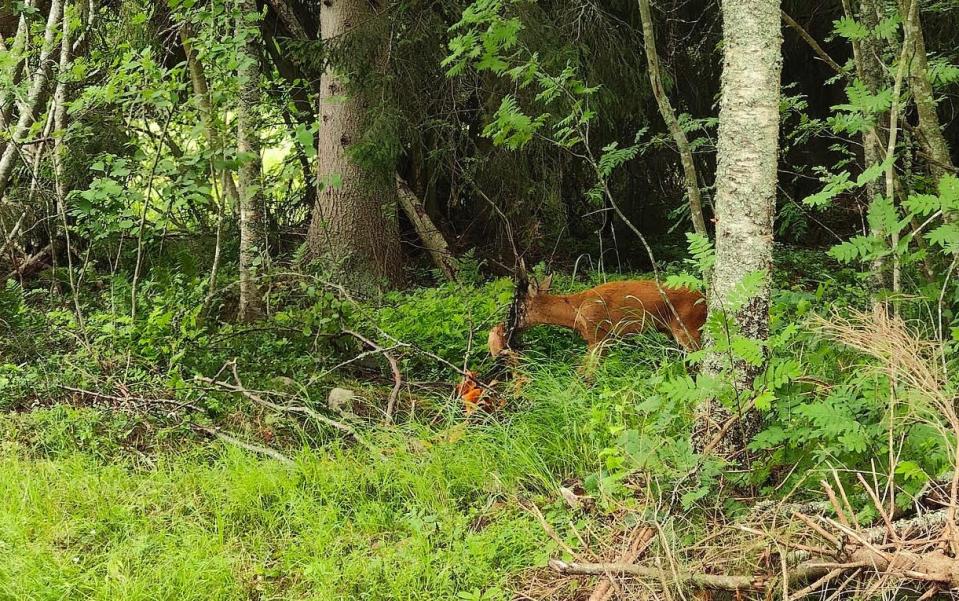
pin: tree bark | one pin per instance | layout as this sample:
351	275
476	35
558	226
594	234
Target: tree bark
201	91
16	50
354	223
669	116
890	179
288	18
431	236
867	56
252	231
745	199
38	88
930	131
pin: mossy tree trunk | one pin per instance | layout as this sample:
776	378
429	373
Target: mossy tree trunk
931	139
669	116
745	203
253	251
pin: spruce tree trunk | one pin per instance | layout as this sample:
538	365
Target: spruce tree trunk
745	201
252	231
354	224
38	89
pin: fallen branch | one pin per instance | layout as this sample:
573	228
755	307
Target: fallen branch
639	543
133	399
696	579
249	446
300	409
394	367
429	234
550	531
30	263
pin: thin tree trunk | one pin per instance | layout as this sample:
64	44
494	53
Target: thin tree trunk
16	51
354	223
226	189
430	235
59	108
930	130
867	56
38	88
894	108
669	116
252	232
745	201
201	91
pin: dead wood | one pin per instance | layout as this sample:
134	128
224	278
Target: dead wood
394	367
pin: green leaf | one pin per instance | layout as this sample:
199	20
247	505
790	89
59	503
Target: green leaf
764	400
922	204
871	173
888	27
949	192
749	350
747	288
910	470
850	29
946	236
883	215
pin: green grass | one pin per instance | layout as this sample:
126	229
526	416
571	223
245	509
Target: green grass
437	516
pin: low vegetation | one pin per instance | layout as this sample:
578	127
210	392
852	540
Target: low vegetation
270	272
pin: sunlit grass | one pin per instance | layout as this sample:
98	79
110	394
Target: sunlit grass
435	516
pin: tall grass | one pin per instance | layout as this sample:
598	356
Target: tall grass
428	520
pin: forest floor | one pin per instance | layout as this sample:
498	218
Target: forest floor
126	474
105	496
94	506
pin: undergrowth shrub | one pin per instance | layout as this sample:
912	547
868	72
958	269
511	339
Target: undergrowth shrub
449	321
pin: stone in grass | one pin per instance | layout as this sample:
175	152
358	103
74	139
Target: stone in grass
341	400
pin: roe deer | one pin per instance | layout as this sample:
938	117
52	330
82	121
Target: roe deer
608	310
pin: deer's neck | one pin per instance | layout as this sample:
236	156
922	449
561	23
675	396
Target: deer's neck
549	309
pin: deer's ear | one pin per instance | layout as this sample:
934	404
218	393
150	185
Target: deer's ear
545	284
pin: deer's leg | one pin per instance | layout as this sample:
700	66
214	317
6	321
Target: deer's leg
683	335
595	336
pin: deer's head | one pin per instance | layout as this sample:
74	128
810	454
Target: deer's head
525	292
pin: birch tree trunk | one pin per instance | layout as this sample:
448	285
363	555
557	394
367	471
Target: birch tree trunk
669	116
354	223
38	88
16	51
745	203
252	232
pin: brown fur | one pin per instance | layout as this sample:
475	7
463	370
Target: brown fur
612	309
